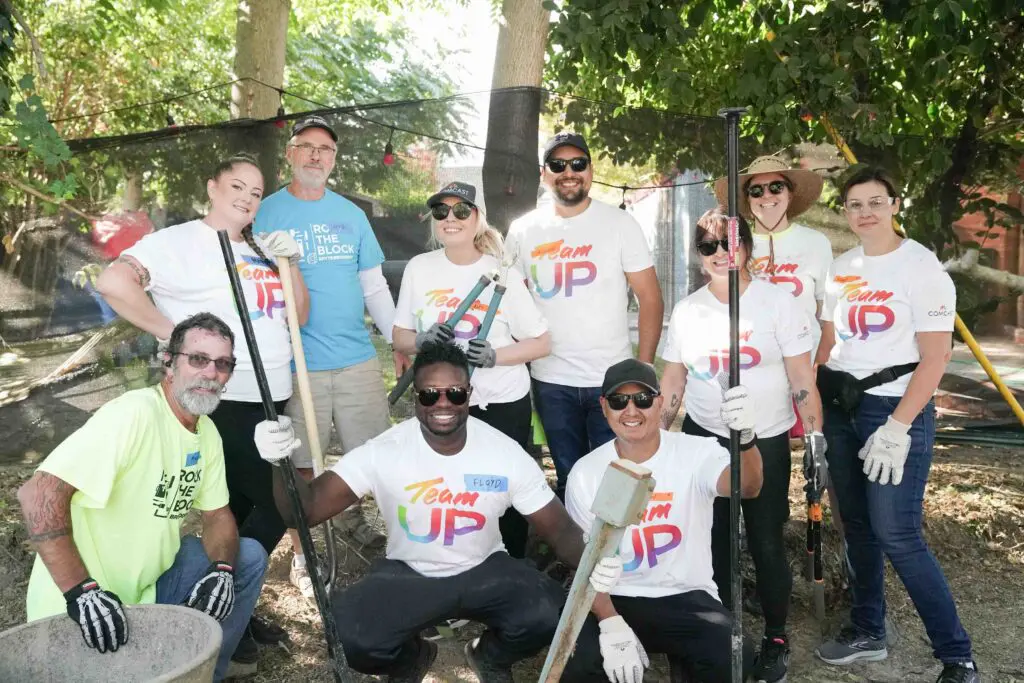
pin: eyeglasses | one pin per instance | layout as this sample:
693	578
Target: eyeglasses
578	164
874	205
642	400
200	361
323	150
457	396
462	211
709	248
756	191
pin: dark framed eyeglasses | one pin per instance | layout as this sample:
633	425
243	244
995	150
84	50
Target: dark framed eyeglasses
642	400
462	211
756	190
200	361
708	248
457	396
577	164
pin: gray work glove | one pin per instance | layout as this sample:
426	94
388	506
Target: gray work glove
481	354
438	333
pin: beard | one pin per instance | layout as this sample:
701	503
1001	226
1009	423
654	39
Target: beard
311	178
570	197
196	403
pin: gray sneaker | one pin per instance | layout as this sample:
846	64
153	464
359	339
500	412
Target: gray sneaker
486	671
852	646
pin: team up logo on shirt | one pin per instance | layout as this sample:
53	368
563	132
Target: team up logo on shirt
439	306
269	292
717	360
779	273
175	493
447	521
868	314
569	271
650	541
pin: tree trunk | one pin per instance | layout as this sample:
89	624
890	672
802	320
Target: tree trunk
510	171
131	200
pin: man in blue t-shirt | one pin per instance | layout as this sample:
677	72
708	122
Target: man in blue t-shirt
341	264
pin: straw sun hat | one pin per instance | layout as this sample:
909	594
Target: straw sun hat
806	185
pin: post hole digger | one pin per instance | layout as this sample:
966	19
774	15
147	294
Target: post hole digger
816	474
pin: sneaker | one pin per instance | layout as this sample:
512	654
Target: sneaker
484	670
960	672
238	670
265	632
445	629
772	662
424	660
299	576
244	659
852	646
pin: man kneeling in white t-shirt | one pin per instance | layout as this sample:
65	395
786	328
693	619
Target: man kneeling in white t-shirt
666	600
442	482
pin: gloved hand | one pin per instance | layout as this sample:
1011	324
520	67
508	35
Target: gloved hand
438	333
814	458
606	574
275	441
99	614
624	657
481	354
885	452
282	245
215	592
738	412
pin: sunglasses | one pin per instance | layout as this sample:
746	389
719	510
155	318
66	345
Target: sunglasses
200	361
710	247
642	400
457	396
756	191
578	165
462	211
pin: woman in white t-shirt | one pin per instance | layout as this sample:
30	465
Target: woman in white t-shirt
775	367
432	288
886	339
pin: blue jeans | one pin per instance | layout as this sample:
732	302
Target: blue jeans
573	423
886	521
174	585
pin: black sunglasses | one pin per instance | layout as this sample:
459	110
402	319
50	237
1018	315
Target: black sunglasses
200	361
709	247
642	400
775	187
578	164
462	211
457	396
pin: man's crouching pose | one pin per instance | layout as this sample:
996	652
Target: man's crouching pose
442	482
666	600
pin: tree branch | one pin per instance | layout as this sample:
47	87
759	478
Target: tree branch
37	50
967	264
45	197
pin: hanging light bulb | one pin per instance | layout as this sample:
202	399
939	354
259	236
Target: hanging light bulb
389	151
622	205
170	121
280	117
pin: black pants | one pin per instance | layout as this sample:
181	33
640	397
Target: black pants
249	477
513	420
765	518
380	616
692	627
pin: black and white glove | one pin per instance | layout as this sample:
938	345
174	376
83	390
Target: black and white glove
215	592
438	333
814	459
99	614
481	354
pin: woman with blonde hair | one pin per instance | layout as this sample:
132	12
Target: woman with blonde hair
432	287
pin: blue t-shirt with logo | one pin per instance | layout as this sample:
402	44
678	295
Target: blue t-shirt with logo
337	242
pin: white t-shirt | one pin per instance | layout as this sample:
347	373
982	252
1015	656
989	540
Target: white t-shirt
442	511
576	270
802	259
187	276
772	327
670	551
433	287
879	303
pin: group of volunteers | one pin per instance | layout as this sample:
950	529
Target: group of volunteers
851	349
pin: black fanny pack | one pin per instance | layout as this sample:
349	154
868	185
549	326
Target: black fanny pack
844	391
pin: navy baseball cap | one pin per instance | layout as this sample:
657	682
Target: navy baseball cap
314	122
463	191
629	371
565	140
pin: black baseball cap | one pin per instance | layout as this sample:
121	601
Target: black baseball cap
629	371
314	122
463	191
565	140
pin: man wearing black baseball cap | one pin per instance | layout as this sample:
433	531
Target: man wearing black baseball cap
341	265
580	257
666	600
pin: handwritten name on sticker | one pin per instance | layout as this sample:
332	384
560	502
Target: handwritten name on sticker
486	483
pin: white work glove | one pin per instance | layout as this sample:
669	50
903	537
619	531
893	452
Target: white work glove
282	245
885	452
214	594
623	656
738	412
275	440
606	574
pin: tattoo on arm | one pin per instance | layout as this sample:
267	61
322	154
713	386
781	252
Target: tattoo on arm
668	415
50	515
141	274
801	396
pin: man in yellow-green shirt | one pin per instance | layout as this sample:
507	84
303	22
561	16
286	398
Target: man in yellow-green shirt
104	510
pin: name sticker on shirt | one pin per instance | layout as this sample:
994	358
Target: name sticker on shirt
486	483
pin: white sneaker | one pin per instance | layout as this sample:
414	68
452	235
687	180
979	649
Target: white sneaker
299	577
